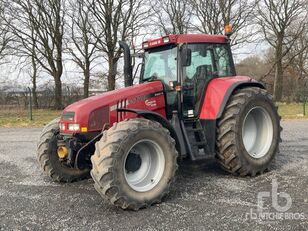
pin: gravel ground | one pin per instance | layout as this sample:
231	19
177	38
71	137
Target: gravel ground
203	197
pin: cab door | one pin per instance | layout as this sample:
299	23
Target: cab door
195	77
208	61
161	64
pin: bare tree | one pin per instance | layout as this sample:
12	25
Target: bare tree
171	16
281	23
82	42
297	57
40	23
296	62
34	73
115	21
24	49
5	36
253	66
212	15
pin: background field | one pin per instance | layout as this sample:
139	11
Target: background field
20	117
14	117
292	111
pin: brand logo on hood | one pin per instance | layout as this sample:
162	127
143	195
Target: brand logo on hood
150	103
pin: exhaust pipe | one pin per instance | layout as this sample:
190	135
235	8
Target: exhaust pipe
128	69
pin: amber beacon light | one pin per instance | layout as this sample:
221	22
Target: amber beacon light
228	29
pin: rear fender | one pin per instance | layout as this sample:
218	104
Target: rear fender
219	91
217	95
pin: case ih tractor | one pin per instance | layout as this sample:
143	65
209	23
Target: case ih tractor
189	104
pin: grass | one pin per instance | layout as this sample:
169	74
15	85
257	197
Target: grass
292	110
20	117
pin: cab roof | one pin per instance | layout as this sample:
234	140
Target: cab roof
184	38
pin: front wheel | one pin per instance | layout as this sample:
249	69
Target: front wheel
54	166
134	163
248	133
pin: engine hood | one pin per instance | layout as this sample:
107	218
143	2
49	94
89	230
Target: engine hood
110	101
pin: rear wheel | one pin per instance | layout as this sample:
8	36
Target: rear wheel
54	166
248	133
134	163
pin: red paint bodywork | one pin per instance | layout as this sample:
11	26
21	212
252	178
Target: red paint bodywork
185	38
215	94
201	38
129	97
139	97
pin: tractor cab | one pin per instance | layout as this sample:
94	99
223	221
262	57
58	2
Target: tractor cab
185	64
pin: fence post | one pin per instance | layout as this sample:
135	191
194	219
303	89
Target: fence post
30	104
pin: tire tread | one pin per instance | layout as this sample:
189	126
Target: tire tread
107	151
226	153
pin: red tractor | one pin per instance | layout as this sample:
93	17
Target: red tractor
189	103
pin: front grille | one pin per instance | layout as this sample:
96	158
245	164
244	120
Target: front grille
68	115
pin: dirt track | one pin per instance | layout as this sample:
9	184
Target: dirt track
203	197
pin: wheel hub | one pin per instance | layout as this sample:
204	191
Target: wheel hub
133	162
144	165
257	132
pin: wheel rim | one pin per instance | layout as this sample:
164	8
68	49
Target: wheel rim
150	166
257	132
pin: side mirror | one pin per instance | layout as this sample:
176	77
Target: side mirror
185	56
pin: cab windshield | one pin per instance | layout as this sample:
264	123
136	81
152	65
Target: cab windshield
160	63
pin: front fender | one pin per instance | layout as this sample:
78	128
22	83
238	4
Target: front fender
218	93
150	115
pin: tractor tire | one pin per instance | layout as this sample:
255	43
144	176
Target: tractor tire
134	163
49	160
248	133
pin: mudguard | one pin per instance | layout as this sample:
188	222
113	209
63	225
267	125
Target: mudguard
219	91
158	118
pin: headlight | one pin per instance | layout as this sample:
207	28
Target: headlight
73	127
166	39
145	45
62	126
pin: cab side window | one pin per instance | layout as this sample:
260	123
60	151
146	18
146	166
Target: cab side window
200	61
223	62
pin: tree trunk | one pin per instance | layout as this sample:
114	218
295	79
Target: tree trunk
34	75
278	83
112	73
86	83
34	94
58	93
57	76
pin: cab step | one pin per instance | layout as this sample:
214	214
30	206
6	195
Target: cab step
196	139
